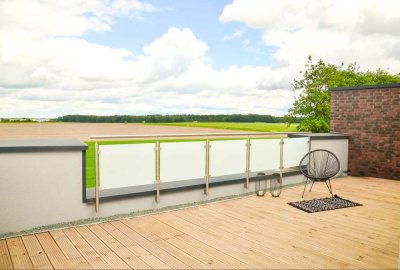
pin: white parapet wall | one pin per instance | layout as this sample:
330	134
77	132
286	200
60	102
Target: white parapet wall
42	182
335	142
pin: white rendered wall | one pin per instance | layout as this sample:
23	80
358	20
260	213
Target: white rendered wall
40	188
339	147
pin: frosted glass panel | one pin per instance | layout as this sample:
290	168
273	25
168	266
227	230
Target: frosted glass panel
294	150
182	161
264	155
127	165
227	157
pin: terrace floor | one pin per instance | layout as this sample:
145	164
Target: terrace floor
244	233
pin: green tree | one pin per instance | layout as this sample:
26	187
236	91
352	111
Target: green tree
312	102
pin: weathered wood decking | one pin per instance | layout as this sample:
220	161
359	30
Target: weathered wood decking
249	232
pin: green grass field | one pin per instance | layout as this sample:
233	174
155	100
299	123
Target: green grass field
263	127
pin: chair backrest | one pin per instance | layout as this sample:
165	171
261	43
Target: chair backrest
319	164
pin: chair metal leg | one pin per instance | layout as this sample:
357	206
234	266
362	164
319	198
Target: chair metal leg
329	186
312	185
302	196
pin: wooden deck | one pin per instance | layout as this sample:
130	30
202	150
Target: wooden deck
244	233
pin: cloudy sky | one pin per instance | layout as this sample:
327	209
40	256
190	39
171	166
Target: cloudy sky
180	56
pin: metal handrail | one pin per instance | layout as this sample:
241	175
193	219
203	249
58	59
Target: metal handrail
127	136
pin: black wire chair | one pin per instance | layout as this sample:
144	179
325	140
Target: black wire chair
319	166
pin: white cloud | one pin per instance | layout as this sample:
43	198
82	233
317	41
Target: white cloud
48	69
362	31
27	19
171	55
237	34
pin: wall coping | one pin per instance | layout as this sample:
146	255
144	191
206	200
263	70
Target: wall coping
321	136
47	145
364	87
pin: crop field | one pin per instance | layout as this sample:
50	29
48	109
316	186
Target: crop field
262	127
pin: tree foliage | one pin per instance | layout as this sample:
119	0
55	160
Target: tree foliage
312	102
16	120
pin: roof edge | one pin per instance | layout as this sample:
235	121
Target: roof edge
362	87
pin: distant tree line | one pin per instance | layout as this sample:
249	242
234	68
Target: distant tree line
16	120
157	118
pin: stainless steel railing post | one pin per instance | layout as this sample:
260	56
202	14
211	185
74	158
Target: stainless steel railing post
97	179
207	166
248	144
281	154
277	189
158	176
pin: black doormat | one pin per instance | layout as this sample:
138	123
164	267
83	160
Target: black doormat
324	204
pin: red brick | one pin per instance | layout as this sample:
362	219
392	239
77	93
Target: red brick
372	119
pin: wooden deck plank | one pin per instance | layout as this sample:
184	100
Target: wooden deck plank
281	214
123	252
126	241
5	258
152	228
291	244
227	258
271	254
245	253
190	246
296	223
182	255
36	253
54	253
150	246
69	250
268	245
112	259
91	256
19	256
197	253
144	225
335	227
346	222
136	249
304	235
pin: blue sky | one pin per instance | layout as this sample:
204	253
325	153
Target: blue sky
139	57
202	18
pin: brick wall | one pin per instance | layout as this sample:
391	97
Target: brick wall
371	116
